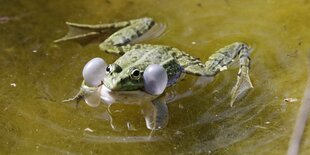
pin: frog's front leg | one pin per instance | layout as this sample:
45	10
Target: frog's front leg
220	61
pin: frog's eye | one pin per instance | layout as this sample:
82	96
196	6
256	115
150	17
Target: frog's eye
135	74
108	69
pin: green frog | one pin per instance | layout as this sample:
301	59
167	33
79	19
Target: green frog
126	80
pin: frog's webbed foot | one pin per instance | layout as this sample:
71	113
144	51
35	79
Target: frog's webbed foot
244	84
156	114
242	87
85	34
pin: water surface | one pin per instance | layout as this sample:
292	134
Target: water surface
36	75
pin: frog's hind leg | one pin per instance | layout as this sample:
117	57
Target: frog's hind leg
220	61
114	36
138	30
223	57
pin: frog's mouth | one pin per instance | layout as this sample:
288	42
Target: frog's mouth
122	84
111	84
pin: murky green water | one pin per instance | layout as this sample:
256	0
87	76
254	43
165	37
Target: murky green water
37	74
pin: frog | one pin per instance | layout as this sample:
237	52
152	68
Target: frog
125	79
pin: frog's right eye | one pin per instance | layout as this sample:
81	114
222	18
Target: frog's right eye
135	74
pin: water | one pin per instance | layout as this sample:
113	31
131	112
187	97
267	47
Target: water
37	74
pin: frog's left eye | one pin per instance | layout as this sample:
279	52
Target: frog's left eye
135	74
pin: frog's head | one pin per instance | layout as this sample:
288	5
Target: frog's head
151	78
124	79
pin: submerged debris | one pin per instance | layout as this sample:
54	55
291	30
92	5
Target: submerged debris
13	84
290	100
88	129
260	127
7	19
4	19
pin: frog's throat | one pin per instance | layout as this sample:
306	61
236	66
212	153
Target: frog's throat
87	89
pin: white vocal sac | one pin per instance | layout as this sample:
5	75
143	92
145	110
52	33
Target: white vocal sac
155	79
94	72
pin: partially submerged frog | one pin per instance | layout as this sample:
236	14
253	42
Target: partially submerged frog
144	71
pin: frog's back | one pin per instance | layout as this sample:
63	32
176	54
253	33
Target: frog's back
144	55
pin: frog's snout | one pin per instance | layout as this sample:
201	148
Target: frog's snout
111	83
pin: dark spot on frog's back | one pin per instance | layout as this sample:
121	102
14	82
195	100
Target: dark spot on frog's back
174	71
158	57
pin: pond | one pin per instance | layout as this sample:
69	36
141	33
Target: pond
36	75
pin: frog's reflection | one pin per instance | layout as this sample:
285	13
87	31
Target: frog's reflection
124	104
124	116
124	107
